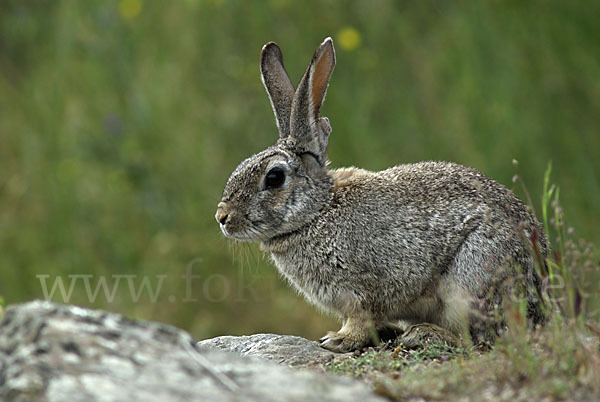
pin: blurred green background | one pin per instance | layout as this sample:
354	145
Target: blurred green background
120	122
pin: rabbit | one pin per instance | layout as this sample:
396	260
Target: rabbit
429	242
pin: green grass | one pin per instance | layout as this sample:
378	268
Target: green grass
559	363
121	120
390	361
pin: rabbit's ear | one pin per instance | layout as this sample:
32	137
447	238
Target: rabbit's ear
310	132
278	86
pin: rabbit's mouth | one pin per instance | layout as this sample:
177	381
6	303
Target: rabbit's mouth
239	226
249	234
224	231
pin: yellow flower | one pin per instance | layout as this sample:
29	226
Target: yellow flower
130	9
349	38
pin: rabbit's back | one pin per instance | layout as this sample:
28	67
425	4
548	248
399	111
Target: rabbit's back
427	211
445	200
435	186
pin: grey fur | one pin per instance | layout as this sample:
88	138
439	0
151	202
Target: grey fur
427	242
278	85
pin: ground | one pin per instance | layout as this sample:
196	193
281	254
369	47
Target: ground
560	362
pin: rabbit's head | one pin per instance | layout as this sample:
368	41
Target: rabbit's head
280	189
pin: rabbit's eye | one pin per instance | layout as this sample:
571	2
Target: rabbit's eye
274	178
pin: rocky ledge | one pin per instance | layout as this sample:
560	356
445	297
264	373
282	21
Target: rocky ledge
53	352
287	350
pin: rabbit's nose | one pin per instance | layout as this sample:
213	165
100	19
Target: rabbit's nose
222	219
222	214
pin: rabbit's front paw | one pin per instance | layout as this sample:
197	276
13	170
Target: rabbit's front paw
342	343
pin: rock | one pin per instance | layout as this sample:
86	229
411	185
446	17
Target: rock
51	352
288	350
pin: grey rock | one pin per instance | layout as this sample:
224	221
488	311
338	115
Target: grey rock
51	352
284	349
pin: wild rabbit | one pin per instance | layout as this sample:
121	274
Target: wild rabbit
430	242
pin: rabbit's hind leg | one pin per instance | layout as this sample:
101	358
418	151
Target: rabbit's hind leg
486	323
